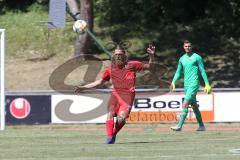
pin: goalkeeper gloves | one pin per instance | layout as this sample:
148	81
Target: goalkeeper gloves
208	89
172	87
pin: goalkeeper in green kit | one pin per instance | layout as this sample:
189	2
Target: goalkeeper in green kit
191	65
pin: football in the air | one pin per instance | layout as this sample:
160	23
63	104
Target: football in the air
79	26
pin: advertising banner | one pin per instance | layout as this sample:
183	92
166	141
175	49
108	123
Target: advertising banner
227	107
28	109
148	107
168	107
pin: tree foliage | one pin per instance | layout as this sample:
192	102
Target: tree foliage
212	21
21	5
221	15
207	23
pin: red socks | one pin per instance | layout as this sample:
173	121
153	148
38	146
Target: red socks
109	127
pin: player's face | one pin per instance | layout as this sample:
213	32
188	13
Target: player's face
187	47
119	56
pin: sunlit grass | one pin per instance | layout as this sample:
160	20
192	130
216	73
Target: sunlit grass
26	38
135	141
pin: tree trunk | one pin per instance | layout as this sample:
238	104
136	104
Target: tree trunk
82	42
86	13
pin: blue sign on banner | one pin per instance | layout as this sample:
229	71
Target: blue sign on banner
28	109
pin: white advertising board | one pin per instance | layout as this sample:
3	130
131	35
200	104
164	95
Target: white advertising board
227	107
92	108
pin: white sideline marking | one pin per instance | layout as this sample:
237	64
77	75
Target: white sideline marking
234	151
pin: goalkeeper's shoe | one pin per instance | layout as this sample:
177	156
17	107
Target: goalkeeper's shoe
201	128
176	128
111	140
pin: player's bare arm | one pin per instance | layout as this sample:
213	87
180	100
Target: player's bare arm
151	52
90	85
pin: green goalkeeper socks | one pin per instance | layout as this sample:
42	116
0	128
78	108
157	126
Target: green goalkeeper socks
183	117
198	116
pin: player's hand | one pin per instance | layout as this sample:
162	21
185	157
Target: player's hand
172	87
208	89
78	89
151	49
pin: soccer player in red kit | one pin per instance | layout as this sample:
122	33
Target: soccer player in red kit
123	75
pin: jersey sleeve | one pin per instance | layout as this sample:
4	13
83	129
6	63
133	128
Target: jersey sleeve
202	70
178	71
106	74
138	66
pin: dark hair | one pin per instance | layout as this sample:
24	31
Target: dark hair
123	45
186	41
118	47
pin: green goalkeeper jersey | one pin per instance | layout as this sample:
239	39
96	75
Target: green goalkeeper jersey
192	67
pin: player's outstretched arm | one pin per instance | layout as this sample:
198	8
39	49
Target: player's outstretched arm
88	86
151	52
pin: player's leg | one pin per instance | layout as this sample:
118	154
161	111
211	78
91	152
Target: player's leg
198	115
121	121
125	102
195	108
109	124
182	117
110	119
184	113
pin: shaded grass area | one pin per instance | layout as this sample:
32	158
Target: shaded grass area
86	142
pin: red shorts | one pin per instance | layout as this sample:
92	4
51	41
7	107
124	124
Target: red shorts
120	102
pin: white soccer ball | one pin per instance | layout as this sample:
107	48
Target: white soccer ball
79	26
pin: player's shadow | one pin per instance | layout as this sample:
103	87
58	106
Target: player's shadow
148	142
143	142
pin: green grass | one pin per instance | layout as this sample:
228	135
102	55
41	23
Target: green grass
136	141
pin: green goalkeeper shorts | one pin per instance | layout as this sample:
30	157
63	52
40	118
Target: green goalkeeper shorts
190	93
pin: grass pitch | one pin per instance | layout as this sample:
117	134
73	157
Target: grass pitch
135	141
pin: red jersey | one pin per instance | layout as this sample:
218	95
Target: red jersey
123	78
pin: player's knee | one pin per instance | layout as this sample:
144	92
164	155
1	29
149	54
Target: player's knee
195	105
124	114
121	119
185	104
110	114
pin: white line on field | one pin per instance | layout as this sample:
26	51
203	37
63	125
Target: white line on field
234	151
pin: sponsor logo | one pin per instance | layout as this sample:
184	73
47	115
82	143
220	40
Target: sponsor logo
168	108
79	108
141	103
20	108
